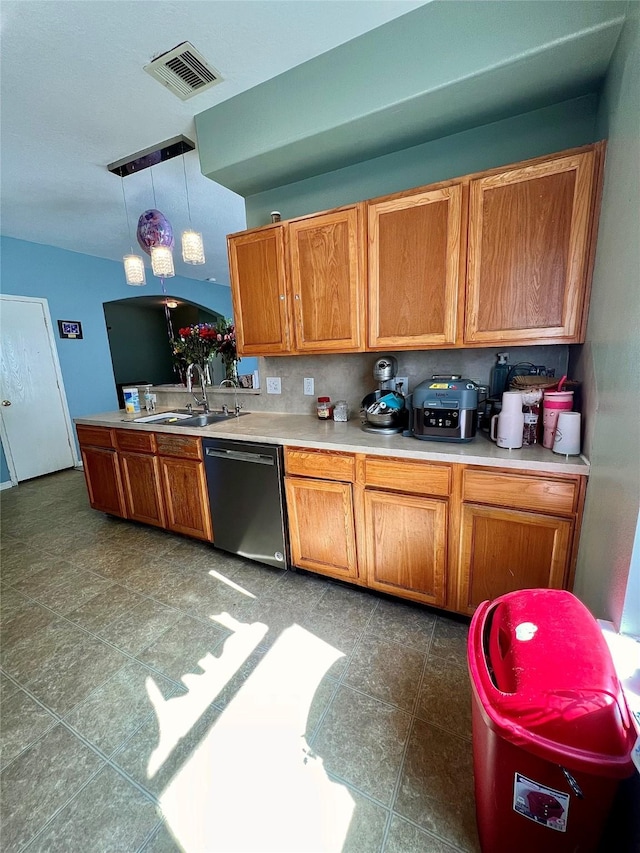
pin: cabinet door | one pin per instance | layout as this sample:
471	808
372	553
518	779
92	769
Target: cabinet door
502	550
185	497
259	291
104	484
406	549
528	252
321	526
142	488
327	281
415	266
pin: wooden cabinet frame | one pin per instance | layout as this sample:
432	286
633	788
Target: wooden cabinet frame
451	199
461	272
445	500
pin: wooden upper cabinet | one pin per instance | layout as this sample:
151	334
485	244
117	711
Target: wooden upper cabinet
416	262
257	263
326	263
528	252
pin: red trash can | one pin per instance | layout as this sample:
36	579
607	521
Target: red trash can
552	734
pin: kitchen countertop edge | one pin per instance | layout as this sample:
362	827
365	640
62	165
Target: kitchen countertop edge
307	431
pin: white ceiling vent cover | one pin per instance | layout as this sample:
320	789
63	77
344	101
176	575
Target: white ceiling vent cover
184	71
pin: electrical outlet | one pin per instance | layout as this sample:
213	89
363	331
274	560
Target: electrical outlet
274	386
405	383
307	384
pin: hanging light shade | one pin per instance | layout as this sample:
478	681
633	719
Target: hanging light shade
133	264
134	270
192	247
162	262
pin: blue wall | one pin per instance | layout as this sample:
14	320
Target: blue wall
76	286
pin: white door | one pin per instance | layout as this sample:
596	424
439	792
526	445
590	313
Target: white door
36	428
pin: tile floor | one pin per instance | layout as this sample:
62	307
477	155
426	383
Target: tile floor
159	695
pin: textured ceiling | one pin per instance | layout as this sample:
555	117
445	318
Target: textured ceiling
75	98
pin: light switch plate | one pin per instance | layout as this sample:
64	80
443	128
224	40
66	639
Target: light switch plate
308	385
405	383
274	385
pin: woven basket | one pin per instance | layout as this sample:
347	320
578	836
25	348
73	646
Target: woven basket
528	383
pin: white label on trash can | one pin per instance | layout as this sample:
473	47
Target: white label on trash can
545	806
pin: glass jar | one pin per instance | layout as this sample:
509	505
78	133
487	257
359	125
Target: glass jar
340	411
324	408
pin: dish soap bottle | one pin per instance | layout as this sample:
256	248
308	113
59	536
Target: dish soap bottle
499	373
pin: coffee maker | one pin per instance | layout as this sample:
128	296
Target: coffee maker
384	410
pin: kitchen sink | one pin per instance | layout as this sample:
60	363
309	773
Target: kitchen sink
205	418
182	417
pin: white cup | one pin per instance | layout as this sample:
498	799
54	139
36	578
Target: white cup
567	437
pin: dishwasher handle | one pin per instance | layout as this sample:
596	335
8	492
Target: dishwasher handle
241	456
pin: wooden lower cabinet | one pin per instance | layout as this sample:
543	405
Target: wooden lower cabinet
153	478
104	483
406	545
502	550
321	525
448	535
186	501
142	488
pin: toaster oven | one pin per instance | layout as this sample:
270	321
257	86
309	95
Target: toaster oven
443	408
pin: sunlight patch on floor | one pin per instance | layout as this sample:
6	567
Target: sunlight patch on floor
177	716
231	583
255	761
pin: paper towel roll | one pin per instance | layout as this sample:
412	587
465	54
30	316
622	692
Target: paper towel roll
567	437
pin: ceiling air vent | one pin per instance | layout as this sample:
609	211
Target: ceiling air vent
184	71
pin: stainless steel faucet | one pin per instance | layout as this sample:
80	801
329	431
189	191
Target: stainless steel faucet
201	378
236	406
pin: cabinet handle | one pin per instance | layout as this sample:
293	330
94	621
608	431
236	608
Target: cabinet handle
297	296
282	297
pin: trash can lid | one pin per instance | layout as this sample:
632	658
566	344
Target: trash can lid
544	675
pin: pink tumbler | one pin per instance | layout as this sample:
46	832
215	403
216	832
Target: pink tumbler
554	402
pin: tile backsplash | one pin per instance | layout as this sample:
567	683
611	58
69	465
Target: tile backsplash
350	377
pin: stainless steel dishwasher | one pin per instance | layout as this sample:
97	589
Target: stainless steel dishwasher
246	495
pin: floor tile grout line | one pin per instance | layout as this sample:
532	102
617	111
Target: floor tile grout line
61	808
454	847
405	748
129	655
151	836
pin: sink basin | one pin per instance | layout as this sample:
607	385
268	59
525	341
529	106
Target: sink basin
160	417
204	419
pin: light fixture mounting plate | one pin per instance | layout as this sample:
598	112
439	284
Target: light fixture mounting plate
152	156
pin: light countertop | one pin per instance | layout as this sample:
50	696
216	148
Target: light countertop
308	431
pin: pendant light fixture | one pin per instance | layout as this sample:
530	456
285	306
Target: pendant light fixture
133	264
161	254
192	245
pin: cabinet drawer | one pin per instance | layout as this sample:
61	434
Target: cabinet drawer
95	436
319	463
408	475
184	446
139	442
520	491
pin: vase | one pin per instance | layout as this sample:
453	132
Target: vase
231	370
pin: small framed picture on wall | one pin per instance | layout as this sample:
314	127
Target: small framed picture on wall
70	329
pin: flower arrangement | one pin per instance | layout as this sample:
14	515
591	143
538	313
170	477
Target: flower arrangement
195	343
198	342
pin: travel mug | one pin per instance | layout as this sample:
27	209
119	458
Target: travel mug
554	402
567	438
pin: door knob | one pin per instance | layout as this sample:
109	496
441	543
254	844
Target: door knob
6	402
